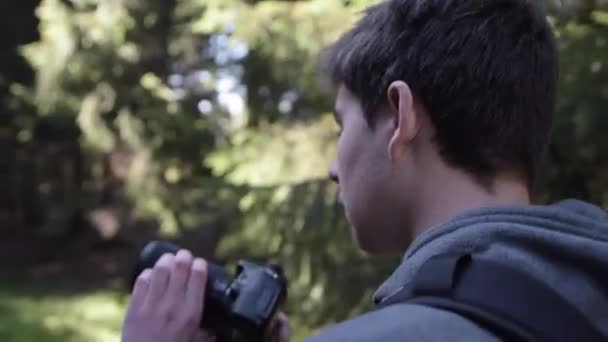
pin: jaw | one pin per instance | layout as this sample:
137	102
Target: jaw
381	241
378	230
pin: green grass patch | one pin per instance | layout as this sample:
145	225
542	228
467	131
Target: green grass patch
36	314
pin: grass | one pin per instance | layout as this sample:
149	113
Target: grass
33	314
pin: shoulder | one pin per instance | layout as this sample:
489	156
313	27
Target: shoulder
402	323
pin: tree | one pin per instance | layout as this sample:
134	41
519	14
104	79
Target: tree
158	91
579	151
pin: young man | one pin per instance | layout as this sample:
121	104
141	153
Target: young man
445	109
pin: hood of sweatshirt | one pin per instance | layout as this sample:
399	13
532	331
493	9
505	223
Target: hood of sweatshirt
565	245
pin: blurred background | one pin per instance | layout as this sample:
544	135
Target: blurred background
204	122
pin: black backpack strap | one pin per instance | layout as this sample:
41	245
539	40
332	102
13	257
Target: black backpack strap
501	299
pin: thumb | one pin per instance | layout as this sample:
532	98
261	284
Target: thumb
284	328
279	329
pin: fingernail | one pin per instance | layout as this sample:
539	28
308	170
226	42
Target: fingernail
183	254
145	275
165	260
199	264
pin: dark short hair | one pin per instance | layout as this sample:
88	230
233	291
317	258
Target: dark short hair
485	70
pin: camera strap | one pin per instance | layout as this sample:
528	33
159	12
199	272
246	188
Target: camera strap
504	300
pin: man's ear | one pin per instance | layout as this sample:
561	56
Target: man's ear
405	118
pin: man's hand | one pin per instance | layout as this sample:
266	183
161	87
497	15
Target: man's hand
167	301
167	304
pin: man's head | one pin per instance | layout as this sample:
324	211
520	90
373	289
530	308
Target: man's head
438	92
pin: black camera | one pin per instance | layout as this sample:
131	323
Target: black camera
237	308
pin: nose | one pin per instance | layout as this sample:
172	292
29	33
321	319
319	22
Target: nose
333	172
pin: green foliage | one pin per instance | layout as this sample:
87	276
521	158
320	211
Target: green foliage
271	155
161	116
577	160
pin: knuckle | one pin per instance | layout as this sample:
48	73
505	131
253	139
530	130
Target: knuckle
191	316
198	276
182	267
167	314
141	283
191	322
161	269
170	315
143	279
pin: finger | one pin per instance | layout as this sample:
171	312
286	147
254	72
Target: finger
179	276
282	319
140	288
284	332
272	330
159	280
195	292
278	329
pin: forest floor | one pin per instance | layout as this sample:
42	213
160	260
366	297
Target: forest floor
71	290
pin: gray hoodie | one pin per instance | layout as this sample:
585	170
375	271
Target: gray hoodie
564	245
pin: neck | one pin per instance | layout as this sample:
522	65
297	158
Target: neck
452	193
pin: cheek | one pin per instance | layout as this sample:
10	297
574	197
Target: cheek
347	158
348	172
359	176
365	186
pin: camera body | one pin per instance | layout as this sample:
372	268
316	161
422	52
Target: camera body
237	308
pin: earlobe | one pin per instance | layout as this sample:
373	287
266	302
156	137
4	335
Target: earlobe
404	116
